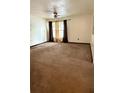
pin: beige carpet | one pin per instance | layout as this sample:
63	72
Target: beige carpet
61	68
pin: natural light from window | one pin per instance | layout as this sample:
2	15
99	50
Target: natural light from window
58	26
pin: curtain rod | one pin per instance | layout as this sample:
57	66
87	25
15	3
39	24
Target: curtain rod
59	20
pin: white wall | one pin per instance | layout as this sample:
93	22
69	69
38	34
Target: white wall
81	27
38	32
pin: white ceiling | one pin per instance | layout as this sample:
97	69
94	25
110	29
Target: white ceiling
64	8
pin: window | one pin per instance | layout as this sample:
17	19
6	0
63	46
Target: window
58	29
61	29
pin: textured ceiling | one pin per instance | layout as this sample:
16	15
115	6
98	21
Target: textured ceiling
44	8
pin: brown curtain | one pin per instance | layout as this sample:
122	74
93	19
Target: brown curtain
65	38
50	32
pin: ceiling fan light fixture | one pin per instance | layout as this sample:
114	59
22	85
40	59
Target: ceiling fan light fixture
55	16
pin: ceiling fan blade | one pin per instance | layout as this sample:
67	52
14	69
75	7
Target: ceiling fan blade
48	11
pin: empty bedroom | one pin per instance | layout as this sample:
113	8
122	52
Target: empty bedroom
61	46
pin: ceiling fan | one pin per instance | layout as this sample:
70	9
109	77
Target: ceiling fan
54	12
